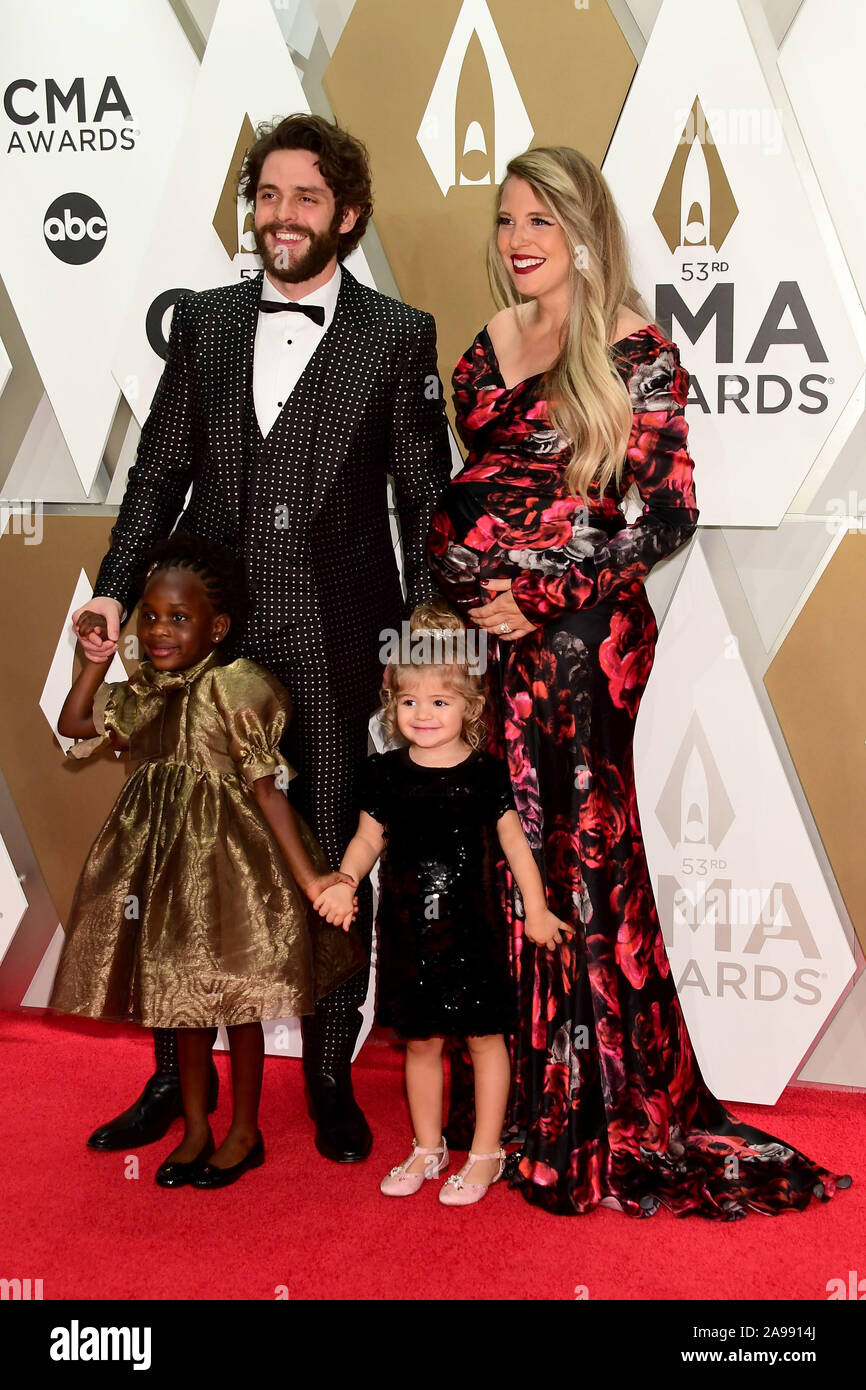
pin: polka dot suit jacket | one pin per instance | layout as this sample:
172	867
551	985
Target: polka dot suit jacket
307	507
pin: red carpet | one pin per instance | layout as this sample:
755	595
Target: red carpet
80	1222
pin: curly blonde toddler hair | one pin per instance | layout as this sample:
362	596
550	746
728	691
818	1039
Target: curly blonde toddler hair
439	620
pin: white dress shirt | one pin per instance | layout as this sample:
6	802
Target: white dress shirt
284	344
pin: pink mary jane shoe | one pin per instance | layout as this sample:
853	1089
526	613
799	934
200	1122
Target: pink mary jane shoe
457	1192
400	1183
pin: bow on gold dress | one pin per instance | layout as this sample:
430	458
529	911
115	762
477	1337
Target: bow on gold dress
608	1096
186	914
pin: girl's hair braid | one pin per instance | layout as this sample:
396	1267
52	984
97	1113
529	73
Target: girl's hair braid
216	565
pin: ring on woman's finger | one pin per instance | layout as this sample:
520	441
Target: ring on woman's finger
504	627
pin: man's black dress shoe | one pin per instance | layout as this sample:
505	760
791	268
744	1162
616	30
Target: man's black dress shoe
206	1175
342	1133
174	1174
149	1118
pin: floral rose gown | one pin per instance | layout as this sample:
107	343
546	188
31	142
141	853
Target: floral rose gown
608	1096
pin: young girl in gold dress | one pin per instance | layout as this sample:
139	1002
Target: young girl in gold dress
192	909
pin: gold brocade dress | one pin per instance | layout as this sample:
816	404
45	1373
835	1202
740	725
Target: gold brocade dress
186	914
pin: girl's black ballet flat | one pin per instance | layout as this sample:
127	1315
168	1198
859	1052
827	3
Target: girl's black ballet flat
174	1174
208	1176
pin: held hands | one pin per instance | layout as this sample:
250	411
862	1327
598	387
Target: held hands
544	929
97	627
333	897
501	610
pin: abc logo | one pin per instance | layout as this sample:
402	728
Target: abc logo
75	228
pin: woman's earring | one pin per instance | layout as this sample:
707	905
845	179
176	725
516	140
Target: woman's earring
580	258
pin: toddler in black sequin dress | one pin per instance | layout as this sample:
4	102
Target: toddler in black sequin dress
438	814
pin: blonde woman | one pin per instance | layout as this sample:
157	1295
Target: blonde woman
567	397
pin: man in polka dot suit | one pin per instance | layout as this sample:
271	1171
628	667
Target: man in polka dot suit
286	402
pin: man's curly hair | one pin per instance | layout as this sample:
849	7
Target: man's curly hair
343	163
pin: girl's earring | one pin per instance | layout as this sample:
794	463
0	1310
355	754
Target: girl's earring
580	258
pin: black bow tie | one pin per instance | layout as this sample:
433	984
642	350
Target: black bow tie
312	311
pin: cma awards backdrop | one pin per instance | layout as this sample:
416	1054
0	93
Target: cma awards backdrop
728	131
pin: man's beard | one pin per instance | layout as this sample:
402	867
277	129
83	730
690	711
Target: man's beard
321	248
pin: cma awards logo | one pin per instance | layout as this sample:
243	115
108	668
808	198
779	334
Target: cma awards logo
722	927
695	212
450	138
696	206
52	117
234	221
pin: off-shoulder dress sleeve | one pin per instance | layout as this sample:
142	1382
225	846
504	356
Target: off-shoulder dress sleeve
660	464
255	708
476	390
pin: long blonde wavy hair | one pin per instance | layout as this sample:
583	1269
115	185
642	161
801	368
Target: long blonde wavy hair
588	403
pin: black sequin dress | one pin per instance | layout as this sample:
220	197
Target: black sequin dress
442	939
